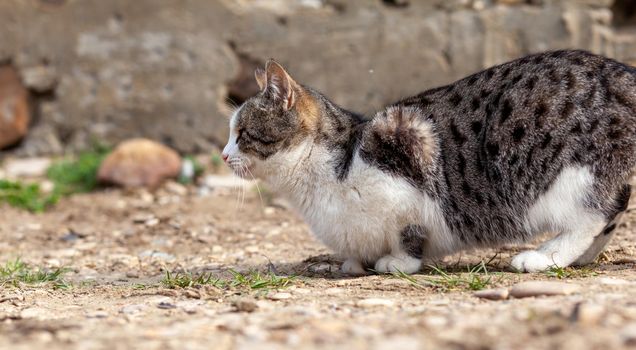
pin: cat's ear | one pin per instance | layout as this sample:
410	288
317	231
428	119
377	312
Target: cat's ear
261	78
280	86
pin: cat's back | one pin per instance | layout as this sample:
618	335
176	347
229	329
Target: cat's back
507	132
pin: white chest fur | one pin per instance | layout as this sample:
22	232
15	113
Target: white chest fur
362	216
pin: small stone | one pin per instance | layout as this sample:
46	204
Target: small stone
321	268
493	294
611	281
14	107
194	294
334	291
375	302
245	305
97	314
166	305
132	274
252	249
41	78
539	288
176	188
139	163
132	309
280	296
587	314
628	333
27	167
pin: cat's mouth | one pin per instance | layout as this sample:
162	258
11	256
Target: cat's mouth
240	167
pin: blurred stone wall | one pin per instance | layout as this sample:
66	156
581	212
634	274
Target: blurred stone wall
170	69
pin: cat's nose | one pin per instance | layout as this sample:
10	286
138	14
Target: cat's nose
224	157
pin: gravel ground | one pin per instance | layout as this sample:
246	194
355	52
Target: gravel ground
118	245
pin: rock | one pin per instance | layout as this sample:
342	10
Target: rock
97	314
157	255
587	314
493	294
628	333
539	288
139	163
132	309
280	296
245	305
27	167
40	78
14	107
166	305
375	302
322	268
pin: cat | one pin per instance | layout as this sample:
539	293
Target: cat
540	144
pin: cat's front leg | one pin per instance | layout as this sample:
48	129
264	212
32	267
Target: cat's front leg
353	267
398	262
406	256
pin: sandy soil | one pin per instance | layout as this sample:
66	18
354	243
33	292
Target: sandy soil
118	245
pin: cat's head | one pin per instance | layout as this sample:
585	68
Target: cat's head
274	122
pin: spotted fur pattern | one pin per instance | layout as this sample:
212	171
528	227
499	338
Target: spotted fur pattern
543	143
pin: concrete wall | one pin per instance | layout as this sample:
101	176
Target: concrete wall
108	70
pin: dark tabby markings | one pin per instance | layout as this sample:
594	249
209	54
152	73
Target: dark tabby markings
516	79
608	229
570	80
531	82
576	129
472	80
505	73
412	240
455	99
476	127
475	104
457	135
489	74
593	126
567	110
615	134
513	160
461	164
506	111
554	76
493	149
466	188
546	141
518	133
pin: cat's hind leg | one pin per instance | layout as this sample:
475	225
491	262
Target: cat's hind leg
602	239
564	208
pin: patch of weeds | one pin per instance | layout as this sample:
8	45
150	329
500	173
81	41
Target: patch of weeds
259	281
79	174
476	278
26	196
252	280
16	272
187	279
191	171
569	272
69	176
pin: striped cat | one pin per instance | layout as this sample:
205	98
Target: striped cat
541	144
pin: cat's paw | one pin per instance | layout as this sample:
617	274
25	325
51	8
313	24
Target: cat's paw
353	267
531	261
390	263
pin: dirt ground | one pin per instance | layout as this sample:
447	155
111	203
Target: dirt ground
118	245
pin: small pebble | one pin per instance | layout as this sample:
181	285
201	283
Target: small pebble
166	305
280	296
245	305
587	314
493	294
97	314
539	288
375	302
